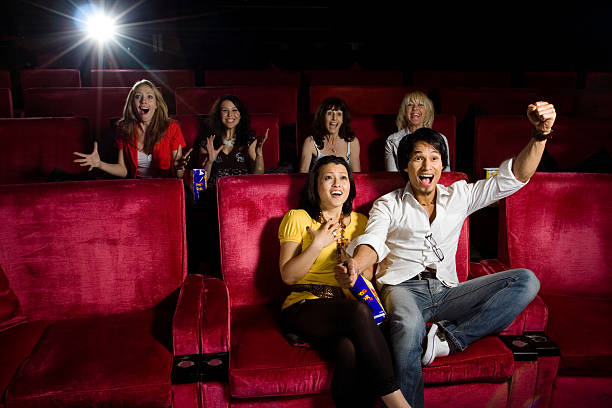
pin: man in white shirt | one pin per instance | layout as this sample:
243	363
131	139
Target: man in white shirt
413	233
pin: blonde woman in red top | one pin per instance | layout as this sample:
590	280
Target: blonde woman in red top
149	143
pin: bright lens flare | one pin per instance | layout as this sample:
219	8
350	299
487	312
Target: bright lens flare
101	28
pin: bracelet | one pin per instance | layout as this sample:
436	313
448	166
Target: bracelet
539	136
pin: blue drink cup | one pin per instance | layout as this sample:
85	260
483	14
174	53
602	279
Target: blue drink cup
364	291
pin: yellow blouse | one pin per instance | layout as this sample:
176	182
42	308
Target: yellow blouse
293	228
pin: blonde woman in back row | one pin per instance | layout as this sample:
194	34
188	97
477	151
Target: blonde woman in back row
416	112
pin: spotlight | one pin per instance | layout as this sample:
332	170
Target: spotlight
101	27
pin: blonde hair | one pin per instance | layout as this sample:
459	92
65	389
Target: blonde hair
131	120
415	97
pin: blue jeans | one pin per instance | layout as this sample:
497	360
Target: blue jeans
465	313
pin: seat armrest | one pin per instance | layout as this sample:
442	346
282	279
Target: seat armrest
187	317
215	327
494	265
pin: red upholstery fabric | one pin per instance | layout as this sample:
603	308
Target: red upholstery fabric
550	228
491	101
98	360
494	395
5	79
280	100
16	344
372	131
587	350
193	127
58	232
187	316
582	392
168	80
6	103
34	147
454	79
574	140
187	396
102	263
594	103
362	99
10	309
214	394
264	364
99	105
565	80
486	360
598	80
354	77
231	77
550	216
216	317
49	78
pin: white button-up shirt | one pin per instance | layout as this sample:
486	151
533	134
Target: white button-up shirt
398	226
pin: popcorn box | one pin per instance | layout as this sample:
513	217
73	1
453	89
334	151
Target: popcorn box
490	171
199	183
364	290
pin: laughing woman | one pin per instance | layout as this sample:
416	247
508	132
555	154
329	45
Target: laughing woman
149	143
331	136
317	309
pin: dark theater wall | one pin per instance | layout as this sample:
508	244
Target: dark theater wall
314	34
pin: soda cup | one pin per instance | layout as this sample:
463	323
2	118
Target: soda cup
364	291
199	184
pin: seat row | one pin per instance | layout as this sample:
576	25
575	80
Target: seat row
35	78
34	147
97	310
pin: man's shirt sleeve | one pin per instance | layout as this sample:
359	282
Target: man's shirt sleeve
376	230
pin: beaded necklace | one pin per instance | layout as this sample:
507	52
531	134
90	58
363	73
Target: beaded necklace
341	240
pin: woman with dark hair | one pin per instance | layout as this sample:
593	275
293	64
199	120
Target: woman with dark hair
331	135
149	143
233	148
318	310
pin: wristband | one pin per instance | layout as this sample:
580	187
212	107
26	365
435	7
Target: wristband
539	136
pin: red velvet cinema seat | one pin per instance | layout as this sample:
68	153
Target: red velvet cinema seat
560	225
6	103
47	78
92	273
233	77
242	311
33	147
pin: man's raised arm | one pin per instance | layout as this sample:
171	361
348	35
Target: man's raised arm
542	116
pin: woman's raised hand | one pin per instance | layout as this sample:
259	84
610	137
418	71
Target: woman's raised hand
180	161
92	160
260	142
325	235
210	148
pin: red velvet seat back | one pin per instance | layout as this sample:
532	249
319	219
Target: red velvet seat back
452	79
362	100
559	226
33	147
548	80
598	80
354	77
77	249
574	139
372	132
486	101
280	100
193	125
49	78
233	77
250	211
99	105
594	103
5	79
167	80
6	103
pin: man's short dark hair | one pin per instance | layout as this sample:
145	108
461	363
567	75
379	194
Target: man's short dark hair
406	147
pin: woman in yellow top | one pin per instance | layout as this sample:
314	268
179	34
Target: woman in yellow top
317	309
